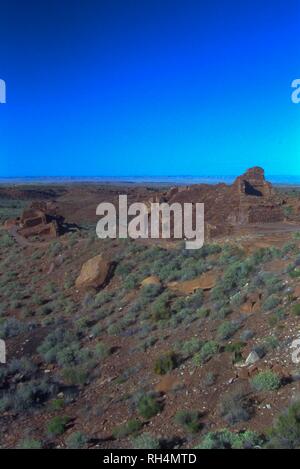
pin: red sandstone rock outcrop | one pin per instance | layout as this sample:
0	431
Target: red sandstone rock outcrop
151	280
205	282
94	273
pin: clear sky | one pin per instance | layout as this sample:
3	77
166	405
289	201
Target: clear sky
132	87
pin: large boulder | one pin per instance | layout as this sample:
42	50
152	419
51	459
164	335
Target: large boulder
152	280
94	273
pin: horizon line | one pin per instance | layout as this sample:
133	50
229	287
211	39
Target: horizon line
43	176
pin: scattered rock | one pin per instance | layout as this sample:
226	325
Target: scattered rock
59	260
51	268
167	383
243	373
252	358
281	371
252	370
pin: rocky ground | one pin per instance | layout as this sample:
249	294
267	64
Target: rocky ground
121	344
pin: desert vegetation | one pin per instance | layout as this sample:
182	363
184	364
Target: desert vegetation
143	361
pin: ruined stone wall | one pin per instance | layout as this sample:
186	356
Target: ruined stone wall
49	229
33	218
265	214
257	199
250	199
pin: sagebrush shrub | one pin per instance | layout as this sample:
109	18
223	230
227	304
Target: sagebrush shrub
266	381
236	407
189	420
225	439
131	427
207	351
145	441
57	425
148	406
285	433
165	363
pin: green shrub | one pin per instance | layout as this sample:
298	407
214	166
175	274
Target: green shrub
189	420
29	443
208	350
131	282
238	299
296	310
69	354
266	381
277	316
295	273
225	439
75	375
57	404
5	403
227	329
76	440
236	350
189	347
22	366
6	241
195	301
102	351
131	427
270	343
147	343
148	406
236	407
203	313
165	363
161	308
55	343
149	292
285	433
57	425
114	329
222	312
30	395
209	379
271	302
11	328
289	248
145	441
102	298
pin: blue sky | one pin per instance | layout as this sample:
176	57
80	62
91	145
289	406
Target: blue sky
149	87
